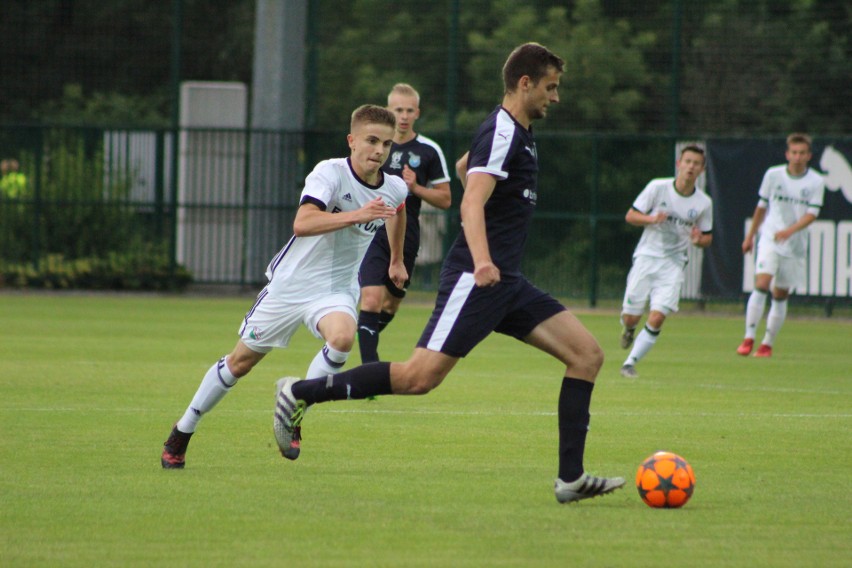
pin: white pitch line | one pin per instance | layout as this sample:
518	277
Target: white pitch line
471	412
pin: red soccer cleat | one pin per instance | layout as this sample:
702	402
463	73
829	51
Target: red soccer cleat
763	351
745	347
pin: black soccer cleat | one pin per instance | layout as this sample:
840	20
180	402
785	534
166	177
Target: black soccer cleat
174	450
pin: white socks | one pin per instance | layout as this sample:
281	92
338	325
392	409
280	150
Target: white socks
328	361
214	386
754	312
644	342
774	321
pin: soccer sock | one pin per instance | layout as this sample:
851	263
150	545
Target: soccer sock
368	336
367	380
384	319
327	362
775	319
214	386
644	342
574	400
754	312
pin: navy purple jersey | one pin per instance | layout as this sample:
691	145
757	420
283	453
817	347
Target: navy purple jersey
426	159
506	150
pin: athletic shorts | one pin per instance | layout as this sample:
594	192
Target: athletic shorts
653	279
789	271
374	267
272	320
465	314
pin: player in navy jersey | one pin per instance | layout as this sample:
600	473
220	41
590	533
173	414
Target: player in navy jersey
313	280
421	163
482	289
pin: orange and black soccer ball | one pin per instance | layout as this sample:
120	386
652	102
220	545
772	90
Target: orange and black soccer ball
665	480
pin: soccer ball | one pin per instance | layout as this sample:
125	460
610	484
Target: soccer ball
665	480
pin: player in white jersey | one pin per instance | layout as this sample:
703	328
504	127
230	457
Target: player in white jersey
790	198
313	280
674	213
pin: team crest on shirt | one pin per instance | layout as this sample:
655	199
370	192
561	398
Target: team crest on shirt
396	161
806	192
413	160
691	214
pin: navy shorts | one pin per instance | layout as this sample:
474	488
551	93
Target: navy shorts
374	267
465	314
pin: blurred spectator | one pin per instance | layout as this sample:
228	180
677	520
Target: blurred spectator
13	184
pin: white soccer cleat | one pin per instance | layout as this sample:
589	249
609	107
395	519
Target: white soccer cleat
586	487
288	418
629	372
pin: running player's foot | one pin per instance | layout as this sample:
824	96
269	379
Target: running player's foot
174	450
288	418
586	487
745	347
627	335
763	351
629	372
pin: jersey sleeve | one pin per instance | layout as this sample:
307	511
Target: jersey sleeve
646	200
322	184
437	169
491	148
815	201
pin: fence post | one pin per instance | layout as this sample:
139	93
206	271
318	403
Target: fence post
593	222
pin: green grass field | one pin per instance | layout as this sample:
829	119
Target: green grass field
462	477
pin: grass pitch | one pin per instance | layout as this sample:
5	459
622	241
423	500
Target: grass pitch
461	477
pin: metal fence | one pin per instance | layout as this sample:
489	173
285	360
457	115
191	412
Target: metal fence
225	203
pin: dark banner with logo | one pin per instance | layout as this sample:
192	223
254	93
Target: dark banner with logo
735	169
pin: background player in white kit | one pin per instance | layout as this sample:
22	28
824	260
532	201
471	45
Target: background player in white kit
674	213
313	279
793	195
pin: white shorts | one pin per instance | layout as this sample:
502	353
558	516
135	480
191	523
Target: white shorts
272	320
656	279
789	271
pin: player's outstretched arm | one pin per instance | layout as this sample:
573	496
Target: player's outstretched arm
311	220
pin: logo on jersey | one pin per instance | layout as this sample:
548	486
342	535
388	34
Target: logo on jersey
531	196
413	160
347	197
396	161
692	214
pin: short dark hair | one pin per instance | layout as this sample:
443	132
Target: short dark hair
372	114
693	148
799	138
530	59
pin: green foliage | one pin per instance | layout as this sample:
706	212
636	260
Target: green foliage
144	268
75	107
80	230
604	71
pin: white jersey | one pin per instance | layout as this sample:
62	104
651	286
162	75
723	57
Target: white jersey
788	198
671	237
324	264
